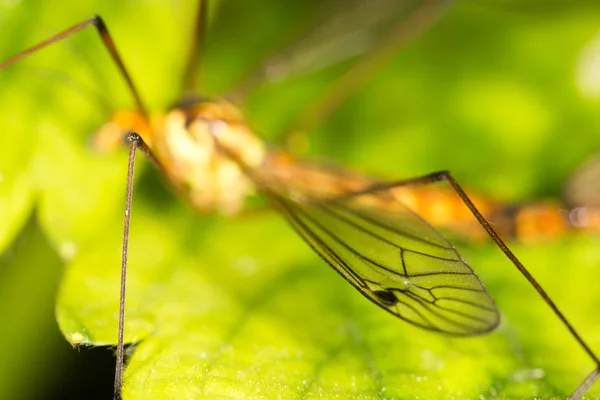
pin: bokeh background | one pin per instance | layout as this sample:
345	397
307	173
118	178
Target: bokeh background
503	93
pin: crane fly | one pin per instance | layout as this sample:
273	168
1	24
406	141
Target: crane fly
379	236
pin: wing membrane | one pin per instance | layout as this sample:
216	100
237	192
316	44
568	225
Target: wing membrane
394	258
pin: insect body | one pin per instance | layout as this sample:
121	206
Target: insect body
359	226
182	143
373	240
209	180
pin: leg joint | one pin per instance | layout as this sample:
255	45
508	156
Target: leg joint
133	137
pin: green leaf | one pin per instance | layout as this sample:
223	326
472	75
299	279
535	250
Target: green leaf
241	307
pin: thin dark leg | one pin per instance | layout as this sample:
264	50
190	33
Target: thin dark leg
98	23
422	16
585	385
418	20
194	57
446	176
120	344
135	142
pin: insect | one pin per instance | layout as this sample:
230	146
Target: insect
360	227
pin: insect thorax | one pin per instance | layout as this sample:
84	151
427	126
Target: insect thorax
196	143
201	146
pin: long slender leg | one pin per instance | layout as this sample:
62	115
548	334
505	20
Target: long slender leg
126	229
585	385
419	19
135	142
100	26
194	56
446	176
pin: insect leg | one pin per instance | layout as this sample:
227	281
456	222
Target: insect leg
418	20
135	142
194	57
446	176
100	26
585	385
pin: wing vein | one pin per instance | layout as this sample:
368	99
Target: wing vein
380	224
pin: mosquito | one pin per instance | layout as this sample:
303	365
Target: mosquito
379	236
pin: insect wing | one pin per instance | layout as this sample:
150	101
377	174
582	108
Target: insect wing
394	258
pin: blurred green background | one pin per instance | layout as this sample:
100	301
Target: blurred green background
505	94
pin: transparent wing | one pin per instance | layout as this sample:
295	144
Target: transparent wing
395	259
341	30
